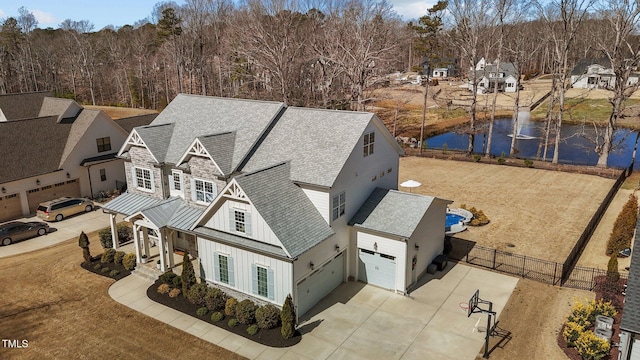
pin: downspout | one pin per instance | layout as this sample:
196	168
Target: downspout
90	184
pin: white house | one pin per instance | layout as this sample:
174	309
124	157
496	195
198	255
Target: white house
596	74
53	147
489	75
277	200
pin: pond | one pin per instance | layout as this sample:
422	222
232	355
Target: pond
574	148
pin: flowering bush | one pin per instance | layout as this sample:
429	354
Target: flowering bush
591	347
571	333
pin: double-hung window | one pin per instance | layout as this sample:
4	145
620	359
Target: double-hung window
224	269
204	191
369	139
143	179
338	205
240	221
104	144
175	183
262	279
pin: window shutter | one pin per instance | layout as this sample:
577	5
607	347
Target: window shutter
254	279
153	187
193	190
216	266
270	285
171	187
134	181
232	281
247	223
232	220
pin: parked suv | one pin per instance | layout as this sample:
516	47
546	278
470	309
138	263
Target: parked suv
60	208
16	230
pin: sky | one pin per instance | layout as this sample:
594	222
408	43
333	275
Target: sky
50	13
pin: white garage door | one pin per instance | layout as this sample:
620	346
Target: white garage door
377	269
635	350
320	283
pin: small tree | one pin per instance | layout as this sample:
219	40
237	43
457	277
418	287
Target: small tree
612	269
83	242
188	274
288	318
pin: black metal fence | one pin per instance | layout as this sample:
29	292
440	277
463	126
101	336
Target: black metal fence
545	271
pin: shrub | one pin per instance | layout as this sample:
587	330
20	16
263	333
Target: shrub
108	255
177	282
164	288
585	314
129	261
202	311
288	318
268	316
591	347
445	147
624	227
215	299
188	274
252	329
571	332
501	161
167	277
196	294
612	269
230	306
105	238
246	312
232	322
83	242
174	292
528	163
114	273
117	258
97	266
217	316
125	233
476	158
104	270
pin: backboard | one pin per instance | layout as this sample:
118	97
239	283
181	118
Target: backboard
473	302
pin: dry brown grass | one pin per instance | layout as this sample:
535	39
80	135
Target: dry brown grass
65	312
121	112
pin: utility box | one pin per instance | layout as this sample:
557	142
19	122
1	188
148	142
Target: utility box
432	268
440	261
604	322
605	334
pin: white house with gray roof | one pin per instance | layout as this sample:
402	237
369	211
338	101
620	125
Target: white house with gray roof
276	200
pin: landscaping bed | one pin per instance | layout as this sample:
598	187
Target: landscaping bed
114	271
268	337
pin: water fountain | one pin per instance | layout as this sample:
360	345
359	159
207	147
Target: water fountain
524	126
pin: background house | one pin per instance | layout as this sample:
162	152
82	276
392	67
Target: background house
488	75
596	74
442	68
276	200
54	147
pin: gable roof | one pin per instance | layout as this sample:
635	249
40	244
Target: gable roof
22	105
631	312
582	65
392	212
131	122
285	208
194	116
62	108
31	147
316	142
156	138
220	148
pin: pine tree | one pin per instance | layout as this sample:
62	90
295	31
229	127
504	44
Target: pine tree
288	318
83	242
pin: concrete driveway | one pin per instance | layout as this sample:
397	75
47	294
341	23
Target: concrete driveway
69	228
359	321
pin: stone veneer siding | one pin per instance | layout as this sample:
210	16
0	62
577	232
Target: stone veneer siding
201	168
141	157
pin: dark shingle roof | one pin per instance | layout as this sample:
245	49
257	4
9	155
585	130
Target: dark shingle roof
285	208
131	122
631	311
392	212
31	147
23	105
582	65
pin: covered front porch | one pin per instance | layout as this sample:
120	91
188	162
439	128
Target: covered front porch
151	263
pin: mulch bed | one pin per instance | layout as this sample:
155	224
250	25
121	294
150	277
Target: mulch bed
618	302
268	337
111	266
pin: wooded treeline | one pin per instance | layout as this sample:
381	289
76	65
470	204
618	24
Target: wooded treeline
304	52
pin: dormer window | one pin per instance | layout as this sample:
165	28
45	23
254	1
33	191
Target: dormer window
369	140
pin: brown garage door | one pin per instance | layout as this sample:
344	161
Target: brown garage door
39	195
10	207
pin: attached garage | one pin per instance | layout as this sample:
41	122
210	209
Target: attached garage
377	269
320	283
635	350
10	207
36	196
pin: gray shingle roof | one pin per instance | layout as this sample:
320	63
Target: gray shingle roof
582	65
631	312
156	137
23	105
220	147
392	212
196	116
315	158
31	147
285	208
131	122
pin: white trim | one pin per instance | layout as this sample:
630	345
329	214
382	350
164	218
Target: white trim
197	149
194	191
134	139
135	179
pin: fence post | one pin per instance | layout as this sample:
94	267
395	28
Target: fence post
467	251
593	275
555	270
524	261
494	259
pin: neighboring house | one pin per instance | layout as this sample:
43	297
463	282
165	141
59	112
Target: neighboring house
441	68
596	74
629	345
488	75
51	147
276	200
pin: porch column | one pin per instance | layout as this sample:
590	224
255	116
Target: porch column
161	246
114	232
145	241
170	249
136	243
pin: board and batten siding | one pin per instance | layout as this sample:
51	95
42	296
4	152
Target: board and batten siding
259	229
319	199
387	246
242	262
